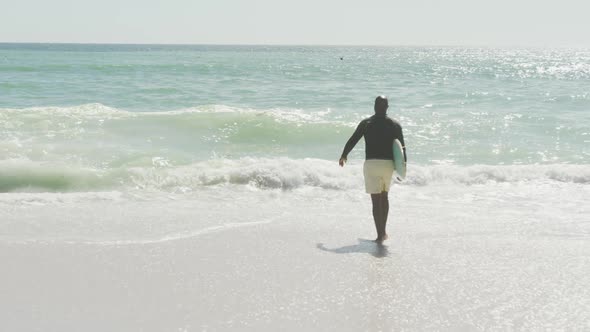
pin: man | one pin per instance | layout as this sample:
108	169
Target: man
379	131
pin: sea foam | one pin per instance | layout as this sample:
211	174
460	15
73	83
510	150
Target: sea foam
263	173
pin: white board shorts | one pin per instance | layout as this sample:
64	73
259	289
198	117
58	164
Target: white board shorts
378	174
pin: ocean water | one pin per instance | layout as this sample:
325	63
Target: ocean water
134	123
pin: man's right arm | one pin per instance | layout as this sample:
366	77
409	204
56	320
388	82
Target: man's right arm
356	136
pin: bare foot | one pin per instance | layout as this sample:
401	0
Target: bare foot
381	238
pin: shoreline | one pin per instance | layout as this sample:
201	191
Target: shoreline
313	270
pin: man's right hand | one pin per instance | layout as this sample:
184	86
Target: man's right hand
341	162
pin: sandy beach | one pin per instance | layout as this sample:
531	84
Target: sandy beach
312	271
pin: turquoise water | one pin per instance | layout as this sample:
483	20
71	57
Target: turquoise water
110	109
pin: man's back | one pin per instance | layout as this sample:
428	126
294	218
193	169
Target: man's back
380	131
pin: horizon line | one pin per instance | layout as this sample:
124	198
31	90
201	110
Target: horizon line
296	44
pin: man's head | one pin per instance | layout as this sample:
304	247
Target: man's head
381	105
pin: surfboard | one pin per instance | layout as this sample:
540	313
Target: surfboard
398	159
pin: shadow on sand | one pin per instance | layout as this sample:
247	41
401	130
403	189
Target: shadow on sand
364	246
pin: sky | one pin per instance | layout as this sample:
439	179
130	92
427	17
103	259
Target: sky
551	23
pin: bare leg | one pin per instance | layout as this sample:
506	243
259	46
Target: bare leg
384	213
377	210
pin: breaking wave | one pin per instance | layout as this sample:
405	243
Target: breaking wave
262	173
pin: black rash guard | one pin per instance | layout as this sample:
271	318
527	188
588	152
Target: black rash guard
379	132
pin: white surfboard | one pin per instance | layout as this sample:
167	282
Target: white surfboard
398	159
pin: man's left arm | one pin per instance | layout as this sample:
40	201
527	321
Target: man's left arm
401	139
399	134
